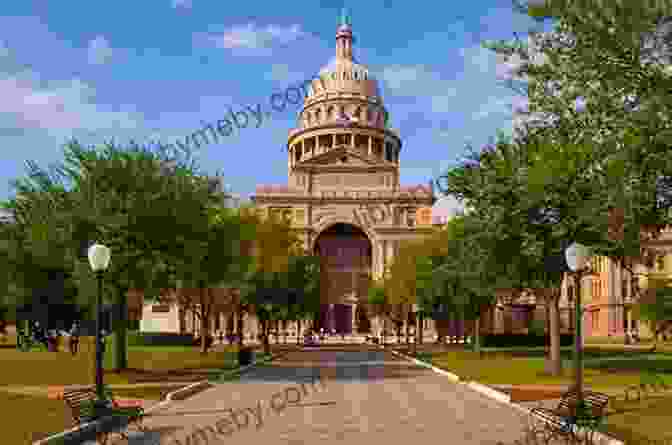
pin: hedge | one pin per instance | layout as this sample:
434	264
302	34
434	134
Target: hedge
159	339
526	340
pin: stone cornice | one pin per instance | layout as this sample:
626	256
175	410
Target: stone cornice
314	164
339	128
345	168
279	199
380	229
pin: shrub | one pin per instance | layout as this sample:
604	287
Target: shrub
522	340
158	339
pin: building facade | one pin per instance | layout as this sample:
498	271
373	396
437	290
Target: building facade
343	192
607	294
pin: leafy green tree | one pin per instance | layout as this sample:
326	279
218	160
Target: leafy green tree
656	307
117	196
213	262
378	302
600	80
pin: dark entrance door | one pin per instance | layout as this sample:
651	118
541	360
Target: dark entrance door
343	318
345	253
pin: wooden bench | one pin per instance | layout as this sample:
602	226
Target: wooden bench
80	400
563	418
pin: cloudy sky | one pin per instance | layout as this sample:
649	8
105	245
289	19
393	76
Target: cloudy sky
158	70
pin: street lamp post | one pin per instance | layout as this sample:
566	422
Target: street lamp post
99	259
577	256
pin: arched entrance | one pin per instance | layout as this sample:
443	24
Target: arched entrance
345	252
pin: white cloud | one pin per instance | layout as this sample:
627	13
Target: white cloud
282	72
406	80
418	81
481	58
495	105
100	51
446	207
252	37
444	103
182	4
61	108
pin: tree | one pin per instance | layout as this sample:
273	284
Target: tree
119	196
656	307
215	261
378	301
526	220
37	260
601	80
275	243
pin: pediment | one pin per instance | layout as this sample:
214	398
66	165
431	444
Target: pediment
343	156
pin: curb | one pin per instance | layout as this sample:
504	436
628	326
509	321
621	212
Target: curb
450	375
177	395
599	438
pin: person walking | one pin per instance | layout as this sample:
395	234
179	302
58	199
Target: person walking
51	341
74	338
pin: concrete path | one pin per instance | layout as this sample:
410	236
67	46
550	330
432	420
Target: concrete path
369	396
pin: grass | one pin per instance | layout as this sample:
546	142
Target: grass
641	422
601	369
32	417
176	363
53	415
609	371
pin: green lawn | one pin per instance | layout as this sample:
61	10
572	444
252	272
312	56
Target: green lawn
609	371
53	415
641	422
146	364
32	417
42	368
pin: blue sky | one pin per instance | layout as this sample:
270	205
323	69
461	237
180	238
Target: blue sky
160	69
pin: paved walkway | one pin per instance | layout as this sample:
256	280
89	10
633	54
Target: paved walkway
372	397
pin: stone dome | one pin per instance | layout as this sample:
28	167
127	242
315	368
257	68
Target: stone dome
337	65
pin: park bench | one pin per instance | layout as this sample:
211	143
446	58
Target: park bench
562	419
79	401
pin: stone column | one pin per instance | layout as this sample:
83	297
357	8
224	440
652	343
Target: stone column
370	146
390	252
380	266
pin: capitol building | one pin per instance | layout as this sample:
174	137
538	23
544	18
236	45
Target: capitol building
343	195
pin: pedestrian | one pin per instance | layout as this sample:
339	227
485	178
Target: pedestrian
51	341
74	338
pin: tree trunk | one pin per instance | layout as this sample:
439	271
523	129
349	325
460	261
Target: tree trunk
265	329
420	327
205	328
477	335
240	326
120	351
555	362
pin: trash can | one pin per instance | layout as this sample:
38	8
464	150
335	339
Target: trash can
245	356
